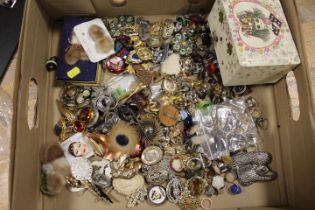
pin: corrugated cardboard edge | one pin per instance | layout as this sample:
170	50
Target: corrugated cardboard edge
286	124
15	107
20	129
297	154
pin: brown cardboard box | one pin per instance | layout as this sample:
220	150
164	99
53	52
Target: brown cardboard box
292	143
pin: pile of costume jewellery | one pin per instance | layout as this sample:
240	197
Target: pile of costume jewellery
162	127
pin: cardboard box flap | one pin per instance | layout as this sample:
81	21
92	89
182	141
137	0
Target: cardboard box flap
297	137
59	8
101	8
34	50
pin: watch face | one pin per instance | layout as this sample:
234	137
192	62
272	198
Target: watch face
157	195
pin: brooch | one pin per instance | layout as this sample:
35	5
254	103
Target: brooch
169	115
136	197
157	195
156	175
151	155
125	167
115	64
149	131
174	190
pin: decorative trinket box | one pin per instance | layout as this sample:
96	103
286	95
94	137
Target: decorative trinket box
252	40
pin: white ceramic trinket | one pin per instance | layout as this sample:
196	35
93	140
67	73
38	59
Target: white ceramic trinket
218	182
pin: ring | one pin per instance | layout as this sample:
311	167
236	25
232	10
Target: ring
194	163
206	203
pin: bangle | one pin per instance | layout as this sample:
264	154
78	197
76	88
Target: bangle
206	203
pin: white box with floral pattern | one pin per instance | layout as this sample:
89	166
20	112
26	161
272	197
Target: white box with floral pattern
253	41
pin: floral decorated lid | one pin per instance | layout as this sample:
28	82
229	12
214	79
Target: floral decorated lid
259	32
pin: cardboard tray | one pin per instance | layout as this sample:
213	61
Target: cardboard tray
292	143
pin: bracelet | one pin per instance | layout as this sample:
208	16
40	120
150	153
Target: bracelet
206	203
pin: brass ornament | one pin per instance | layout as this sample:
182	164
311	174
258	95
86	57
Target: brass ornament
149	131
65	112
144	53
125	168
156	29
145	76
